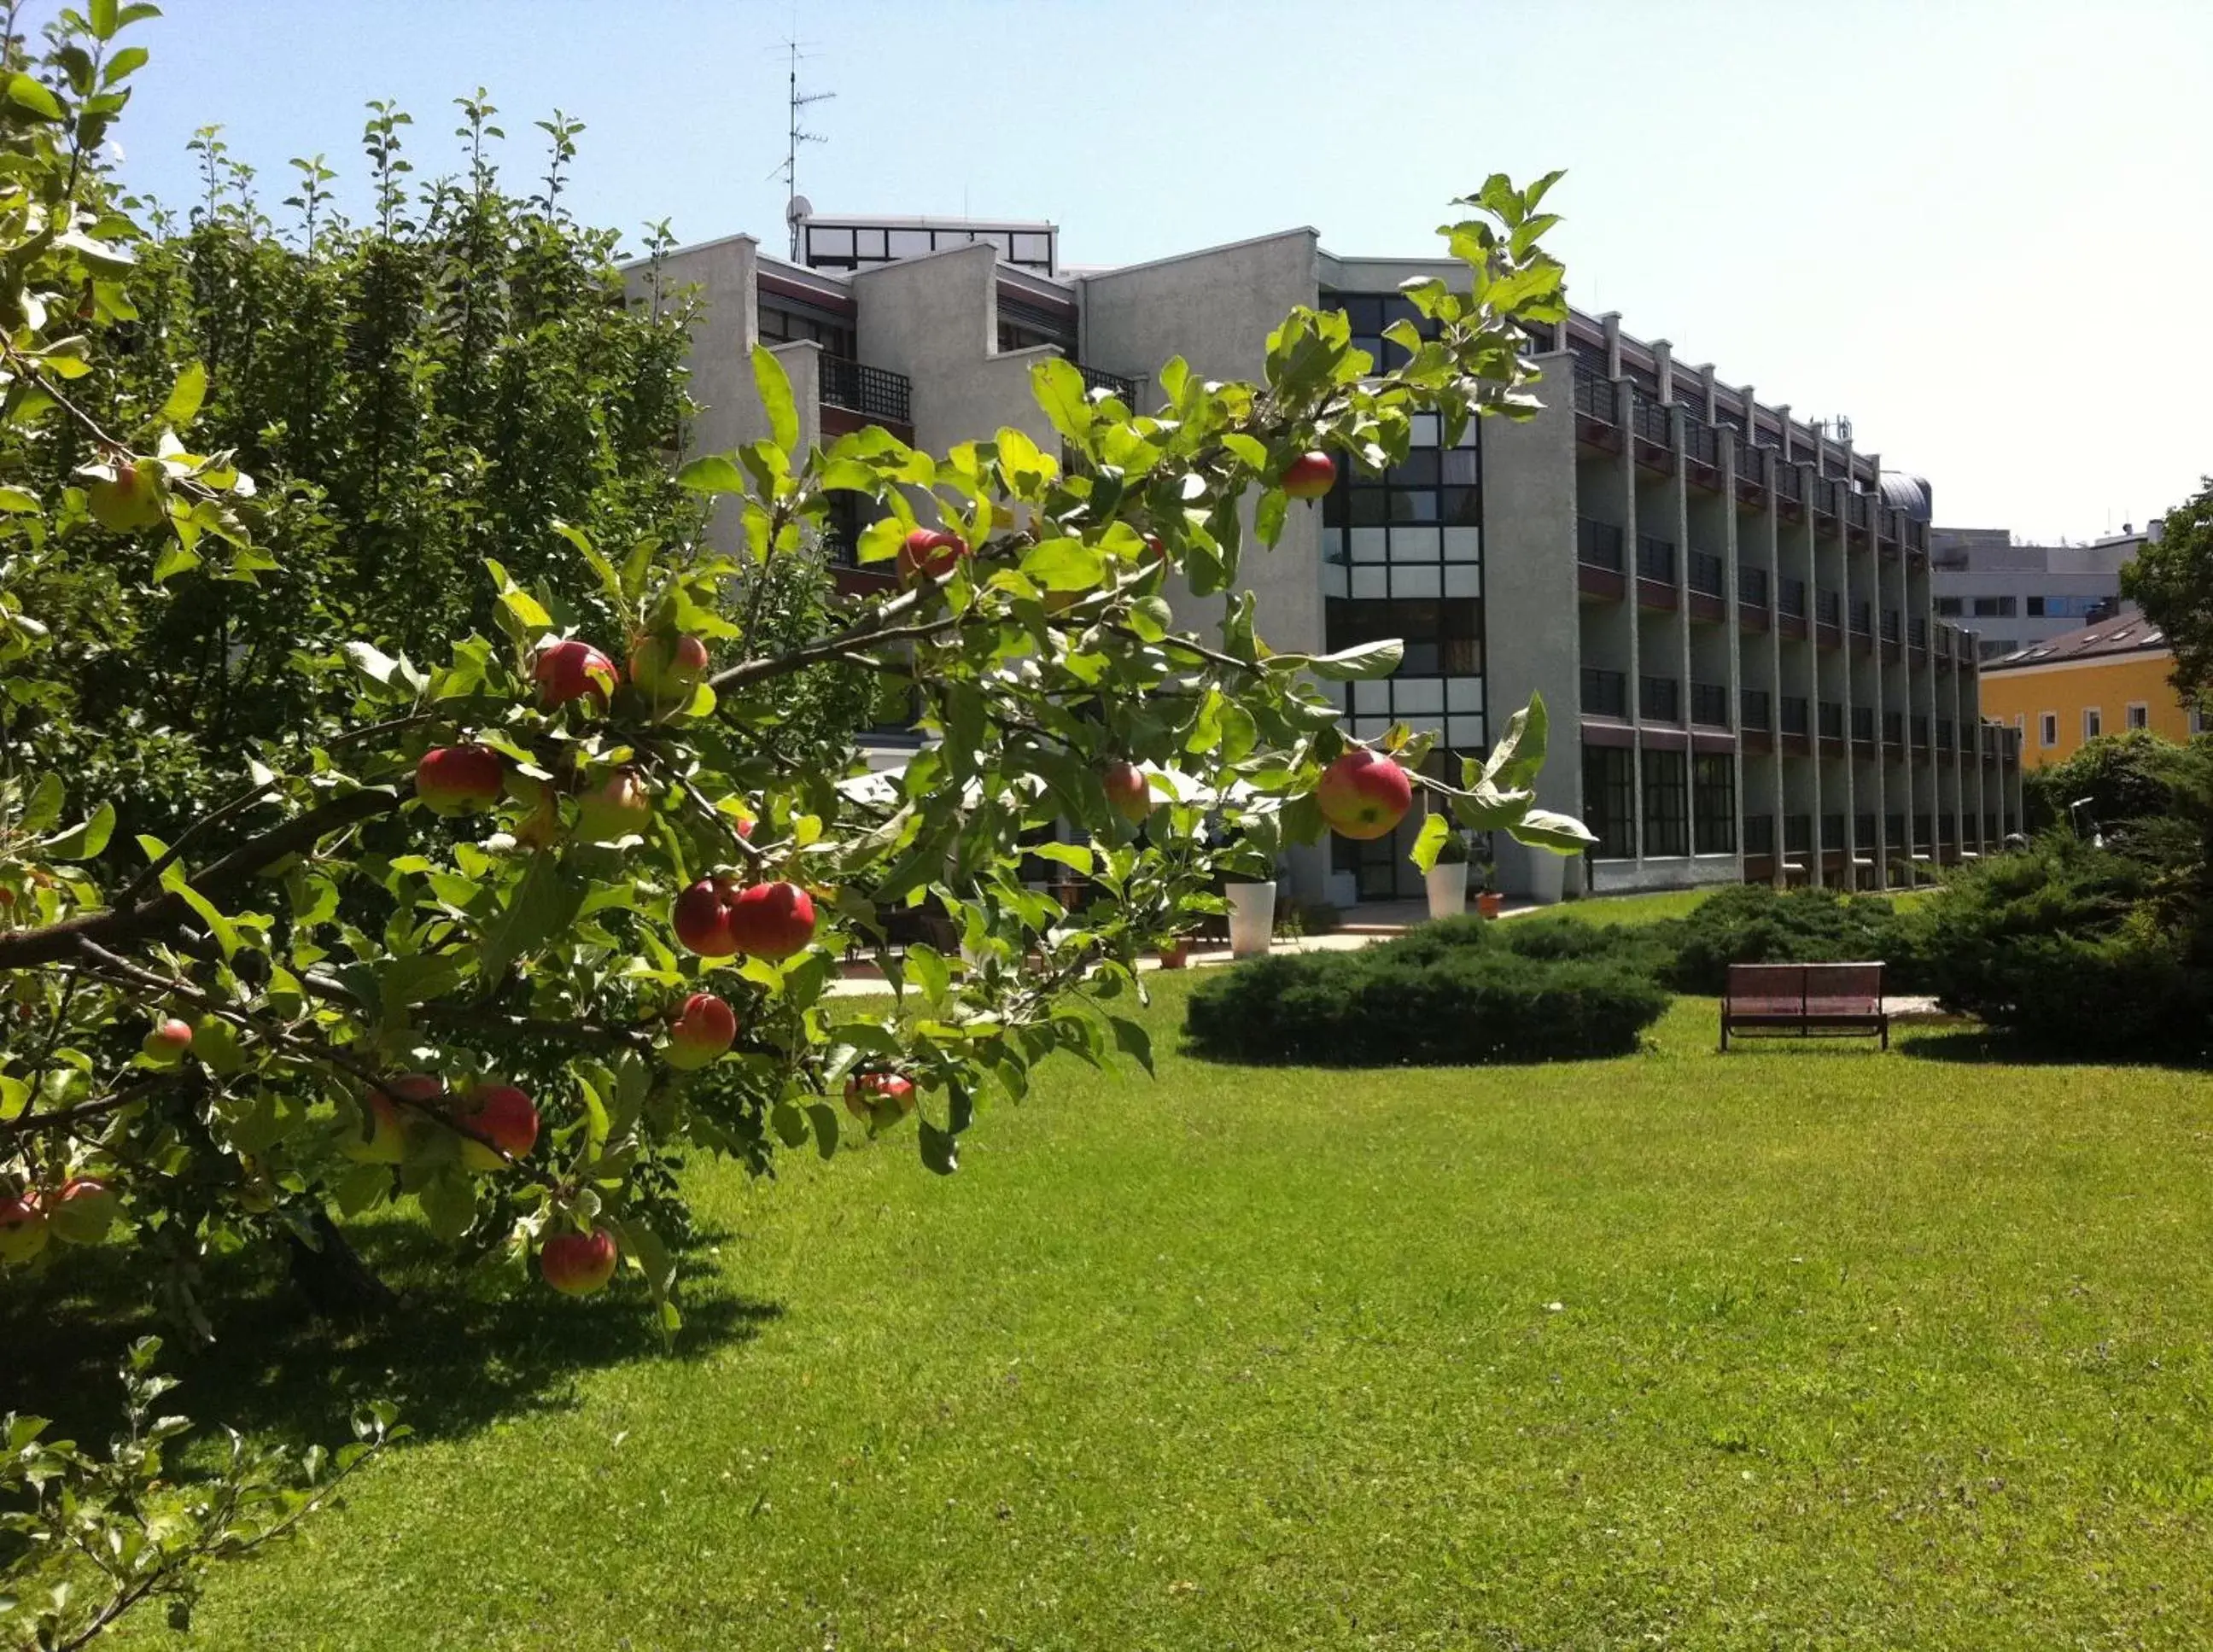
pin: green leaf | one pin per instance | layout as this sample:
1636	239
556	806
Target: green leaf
882	538
1435	829
1078	856
83	842
26	94
1268	515
825	1130
1561	833
716	473
788	1123
927	968
17	501
44	805
1364	662
1058	388
174	560
1131	1039
101	16
126	62
449	1204
184	397
941	1148
372	662
775	387
1519	755
1065	566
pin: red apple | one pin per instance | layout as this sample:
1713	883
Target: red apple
704	1028
22	1227
132	500
930	553
570	669
1363	796
622	807
165	1044
504	1116
771	920
701	915
85	1210
1309	475
386	1142
1127	791
870	1095
578	1265
457	780
667	668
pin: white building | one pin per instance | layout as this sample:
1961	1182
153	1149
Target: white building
2018	595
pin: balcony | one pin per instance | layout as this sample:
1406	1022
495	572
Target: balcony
1759	834
1606	693
1790	484
1755	707
1649	420
1797	834
1598	544
1828	608
1916	634
1864	724
873	392
1751	464
1708	575
1944	734
1710	704
1655	559
1123	390
1659	699
1752	586
1859	510
1893	729
1790	599
1597	397
1701	442
1794	712
1862	618
1893	625
1832	719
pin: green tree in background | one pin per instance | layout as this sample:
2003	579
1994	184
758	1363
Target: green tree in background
2171	580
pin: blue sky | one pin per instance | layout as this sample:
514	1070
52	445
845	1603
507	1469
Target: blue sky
1979	230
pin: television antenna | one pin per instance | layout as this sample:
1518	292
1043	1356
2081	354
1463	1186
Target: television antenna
795	134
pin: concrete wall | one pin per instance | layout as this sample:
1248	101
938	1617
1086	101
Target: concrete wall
728	408
1530	608
936	319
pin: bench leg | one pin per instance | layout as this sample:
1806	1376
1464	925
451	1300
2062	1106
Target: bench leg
1885	1035
1724	1034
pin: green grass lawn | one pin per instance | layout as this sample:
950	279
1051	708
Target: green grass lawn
1782	1349
1670	903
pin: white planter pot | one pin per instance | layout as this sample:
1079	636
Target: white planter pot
1251	918
1448	885
1343	890
1547	876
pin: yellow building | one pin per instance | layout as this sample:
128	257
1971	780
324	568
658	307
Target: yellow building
2102	680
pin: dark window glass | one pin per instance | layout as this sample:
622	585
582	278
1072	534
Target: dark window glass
1413	505
1461	507
1462	467
1759	834
1609	801
1667	803
1948	605
1442	637
1713	781
1419	469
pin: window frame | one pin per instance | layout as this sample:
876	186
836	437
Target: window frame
2093	721
2137	714
1713	804
2047	730
1665	781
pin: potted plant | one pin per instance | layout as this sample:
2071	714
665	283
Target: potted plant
1175	952
1446	878
1490	903
1251	902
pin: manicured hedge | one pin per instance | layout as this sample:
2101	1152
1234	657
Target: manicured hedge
1452	993
1752	924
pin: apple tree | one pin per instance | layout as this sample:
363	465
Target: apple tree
515	927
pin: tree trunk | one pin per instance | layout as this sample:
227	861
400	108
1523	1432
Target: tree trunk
336	1282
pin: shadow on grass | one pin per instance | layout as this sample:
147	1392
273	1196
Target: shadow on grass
453	1356
1980	1046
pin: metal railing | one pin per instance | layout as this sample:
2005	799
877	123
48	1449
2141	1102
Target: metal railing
1754	707
1858	509
1797	833
1944	738
1863	618
1596	397
1709	577
1655	557
871	392
1917	633
1795	709
1788	482
1606	693
1750	462
1893	625
1659	699
1828	607
1832	719
1122	389
1700	441
1863	723
1650	420
1894	728
1759	834
1598	543
1832	831
1791	596
1752	586
1710	706
1863	831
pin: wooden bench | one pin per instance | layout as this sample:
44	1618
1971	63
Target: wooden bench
1804	999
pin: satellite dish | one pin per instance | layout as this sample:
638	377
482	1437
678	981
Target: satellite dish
798	209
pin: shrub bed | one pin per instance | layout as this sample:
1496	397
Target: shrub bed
1752	924
1453	993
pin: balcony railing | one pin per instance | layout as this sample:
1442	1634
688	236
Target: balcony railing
1917	533
1944	738
1797	833
1794	714
1754	708
1598	543
1759	834
1123	390
1863	723
1791	596
871	392
1787	482
1710	706
1701	442
1893	625
1596	397
1894	728
1655	557
1651	418
1709	577
1832	831
1828	607
1858	509
1606	693
1752	586
1890	521
1863	618
1863	831
1832	719
1917	633
1750	462
1659	699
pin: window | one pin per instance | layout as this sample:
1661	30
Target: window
1443	638
2197	720
779	326
1713	803
1948	606
2139	716
1415	529
1609	801
2092	722
2047	730
1993	607
2065	607
1667	803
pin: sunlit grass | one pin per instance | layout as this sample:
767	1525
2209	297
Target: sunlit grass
1786	1348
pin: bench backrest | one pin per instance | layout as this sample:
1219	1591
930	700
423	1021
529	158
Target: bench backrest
1817	989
